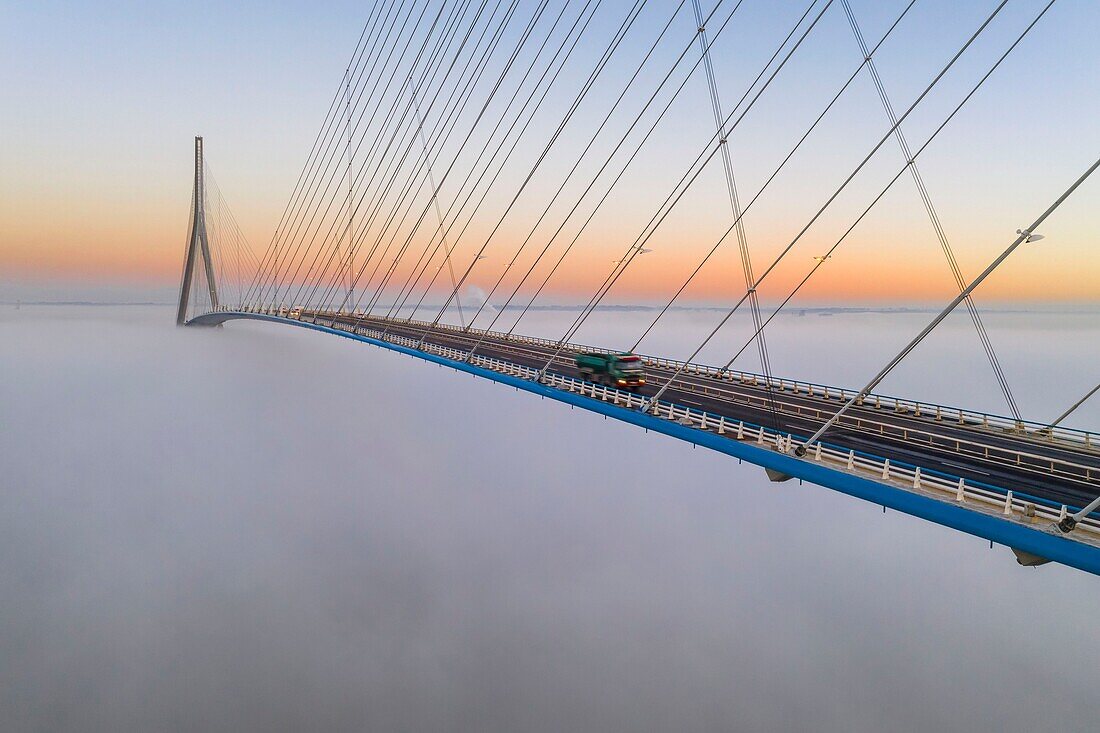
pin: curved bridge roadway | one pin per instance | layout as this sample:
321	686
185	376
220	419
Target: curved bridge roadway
1048	472
1013	462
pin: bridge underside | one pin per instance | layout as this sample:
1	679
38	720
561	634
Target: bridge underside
1006	486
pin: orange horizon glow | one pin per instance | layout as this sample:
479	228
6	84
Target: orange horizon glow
105	260
146	248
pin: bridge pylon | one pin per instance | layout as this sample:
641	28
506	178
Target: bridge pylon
198	248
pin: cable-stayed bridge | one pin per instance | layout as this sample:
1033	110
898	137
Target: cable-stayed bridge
463	128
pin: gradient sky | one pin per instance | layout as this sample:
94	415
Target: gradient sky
102	101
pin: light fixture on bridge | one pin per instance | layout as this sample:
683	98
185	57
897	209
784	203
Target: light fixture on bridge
1028	236
641	251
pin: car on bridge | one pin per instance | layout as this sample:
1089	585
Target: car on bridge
624	371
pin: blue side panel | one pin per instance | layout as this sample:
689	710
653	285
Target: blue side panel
1005	532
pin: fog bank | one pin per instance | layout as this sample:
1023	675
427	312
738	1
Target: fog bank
264	528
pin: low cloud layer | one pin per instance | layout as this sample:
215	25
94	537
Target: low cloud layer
260	528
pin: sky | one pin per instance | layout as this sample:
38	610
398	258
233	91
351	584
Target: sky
103	101
191	539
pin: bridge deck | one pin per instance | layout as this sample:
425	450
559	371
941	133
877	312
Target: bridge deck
1006	485
1058	472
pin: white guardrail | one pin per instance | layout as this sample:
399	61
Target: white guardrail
1006	504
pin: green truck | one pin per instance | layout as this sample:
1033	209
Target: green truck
624	371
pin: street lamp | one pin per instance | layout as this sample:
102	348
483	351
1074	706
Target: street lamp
641	251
